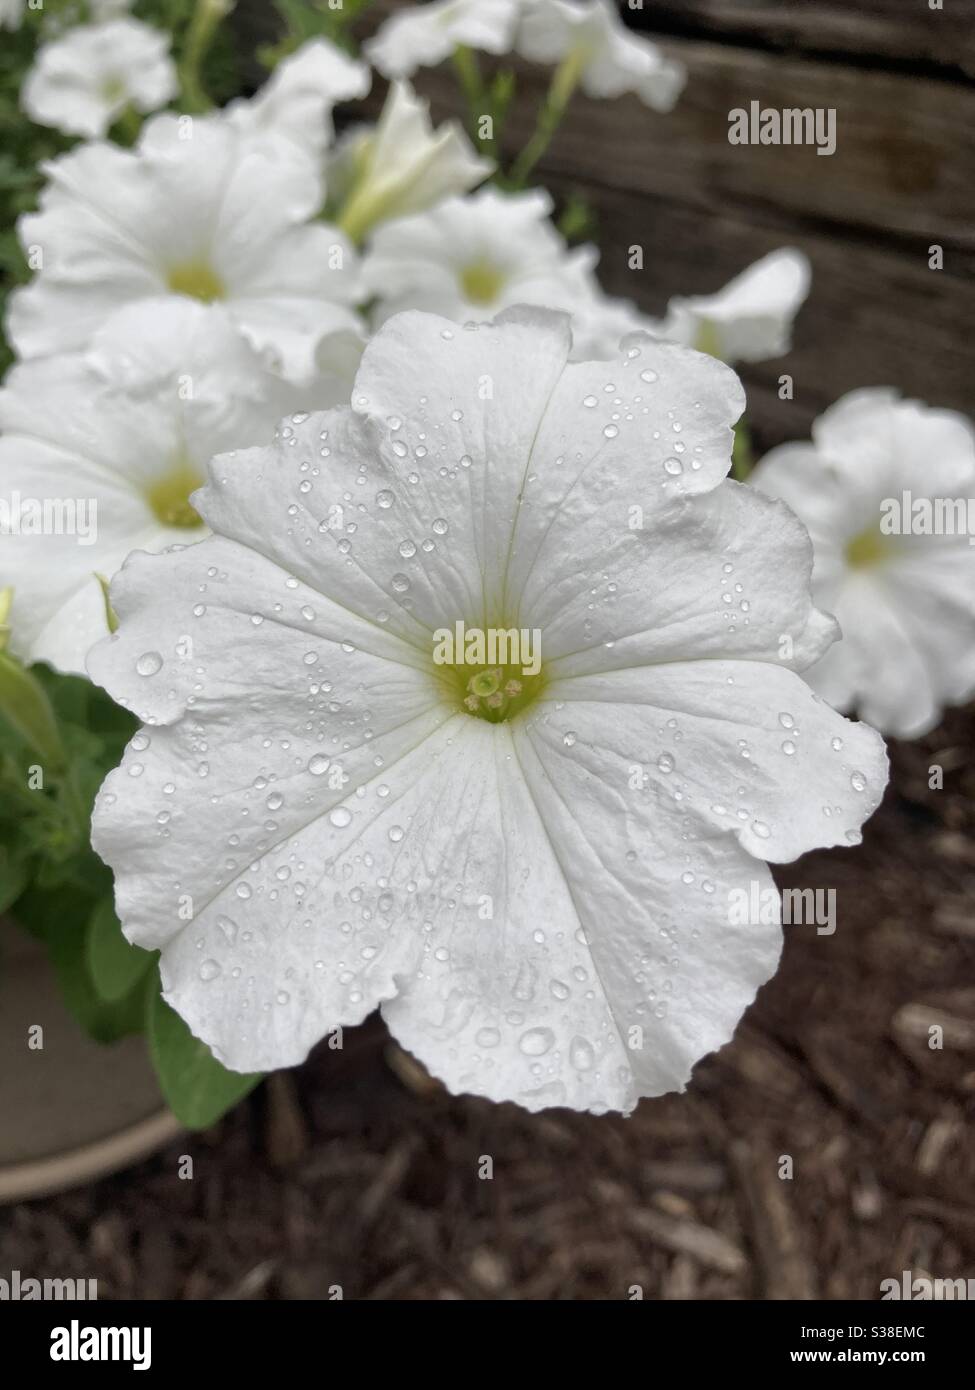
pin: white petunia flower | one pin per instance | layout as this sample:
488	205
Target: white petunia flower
751	318
608	60
887	491
528	861
84	80
469	258
198	210
424	35
403	165
298	99
99	454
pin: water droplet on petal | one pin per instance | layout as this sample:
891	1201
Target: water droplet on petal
149	663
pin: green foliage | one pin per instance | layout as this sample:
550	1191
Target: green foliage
197	1088
115	967
54	885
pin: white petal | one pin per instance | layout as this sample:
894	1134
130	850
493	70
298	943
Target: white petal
569	964
254	813
405	166
423	36
613	61
751	318
298	98
698	730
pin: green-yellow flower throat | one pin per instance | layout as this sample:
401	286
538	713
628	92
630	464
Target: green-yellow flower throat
494	672
496	693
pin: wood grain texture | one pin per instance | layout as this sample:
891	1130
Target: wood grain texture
874	30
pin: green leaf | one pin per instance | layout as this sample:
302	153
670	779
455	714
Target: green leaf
115	966
59	919
24	704
13	877
197	1088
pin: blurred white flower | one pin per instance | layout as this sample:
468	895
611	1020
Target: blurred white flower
402	165
870	489
84	80
589	38
530	874
11	13
469	258
197	209
117	439
751	318
298	98
424	35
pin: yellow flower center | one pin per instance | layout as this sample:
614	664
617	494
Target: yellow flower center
197	280
496	693
481	282
113	90
866	549
169	496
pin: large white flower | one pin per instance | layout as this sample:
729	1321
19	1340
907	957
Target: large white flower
402	165
871	488
298	98
607	59
314	820
99	453
751	318
82	81
199	210
469	258
424	35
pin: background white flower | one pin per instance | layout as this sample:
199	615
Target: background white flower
469	258
402	165
129	427
751	318
540	905
298	98
609	60
11	13
424	35
199	210
905	603
82	81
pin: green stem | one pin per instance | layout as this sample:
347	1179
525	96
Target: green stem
128	125
468	73
199	35
742	457
563	84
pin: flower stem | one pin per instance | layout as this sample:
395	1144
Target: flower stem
563	84
199	35
742	457
468	72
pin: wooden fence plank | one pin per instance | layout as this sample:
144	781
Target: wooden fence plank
903	164
902	30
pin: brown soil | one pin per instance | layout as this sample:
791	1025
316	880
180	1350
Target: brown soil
358	1171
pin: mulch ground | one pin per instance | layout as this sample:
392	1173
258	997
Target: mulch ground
358	1171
